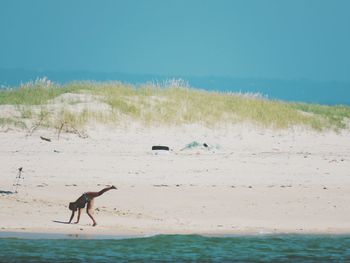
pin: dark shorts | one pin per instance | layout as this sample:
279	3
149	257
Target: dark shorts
74	206
81	205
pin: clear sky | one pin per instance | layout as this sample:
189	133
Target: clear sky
249	38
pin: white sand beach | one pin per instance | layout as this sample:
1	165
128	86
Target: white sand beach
249	180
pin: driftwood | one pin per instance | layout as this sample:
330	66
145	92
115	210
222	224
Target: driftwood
71	129
45	139
35	126
59	130
80	134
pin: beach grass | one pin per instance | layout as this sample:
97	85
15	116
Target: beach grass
12	122
171	103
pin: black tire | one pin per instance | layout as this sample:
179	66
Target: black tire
159	147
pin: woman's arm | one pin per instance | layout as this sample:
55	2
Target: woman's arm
71	217
79	211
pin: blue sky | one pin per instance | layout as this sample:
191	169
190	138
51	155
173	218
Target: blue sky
287	39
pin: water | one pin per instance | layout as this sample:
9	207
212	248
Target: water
180	248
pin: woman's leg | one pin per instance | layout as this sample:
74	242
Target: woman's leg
96	194
89	211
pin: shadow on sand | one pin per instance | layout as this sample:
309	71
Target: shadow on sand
60	222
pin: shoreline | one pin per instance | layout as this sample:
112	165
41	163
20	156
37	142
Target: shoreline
95	236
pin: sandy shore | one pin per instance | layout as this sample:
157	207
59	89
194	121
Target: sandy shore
248	180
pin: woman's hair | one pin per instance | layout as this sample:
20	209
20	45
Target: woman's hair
73	206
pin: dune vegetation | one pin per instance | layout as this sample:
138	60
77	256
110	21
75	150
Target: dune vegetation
75	105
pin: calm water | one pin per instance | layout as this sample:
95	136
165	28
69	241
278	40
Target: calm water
180	248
